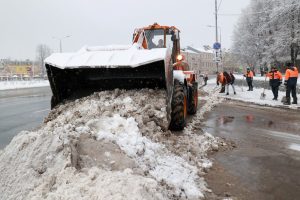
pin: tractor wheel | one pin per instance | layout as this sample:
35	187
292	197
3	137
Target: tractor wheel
193	100
53	102
179	107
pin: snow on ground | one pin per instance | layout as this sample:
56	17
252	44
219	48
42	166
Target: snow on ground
9	85
110	145
256	78
251	96
295	147
240	77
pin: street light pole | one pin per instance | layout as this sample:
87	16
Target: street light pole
216	15
219	30
60	41
60	46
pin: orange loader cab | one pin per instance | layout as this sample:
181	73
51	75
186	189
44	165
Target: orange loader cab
185	86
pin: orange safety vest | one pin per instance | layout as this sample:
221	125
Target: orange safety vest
291	76
274	75
221	78
291	73
249	74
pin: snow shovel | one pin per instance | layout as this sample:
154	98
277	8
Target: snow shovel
243	84
283	100
263	94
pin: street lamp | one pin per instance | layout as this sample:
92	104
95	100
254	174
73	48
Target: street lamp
217	45
60	41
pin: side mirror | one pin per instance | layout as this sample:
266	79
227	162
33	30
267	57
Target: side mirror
176	34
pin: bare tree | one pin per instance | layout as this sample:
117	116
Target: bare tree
42	52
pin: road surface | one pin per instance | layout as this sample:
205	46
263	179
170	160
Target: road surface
22	109
266	161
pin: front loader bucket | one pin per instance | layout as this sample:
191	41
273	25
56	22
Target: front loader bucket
80	82
92	69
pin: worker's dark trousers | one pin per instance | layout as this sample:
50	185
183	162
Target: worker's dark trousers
223	88
275	91
250	85
289	89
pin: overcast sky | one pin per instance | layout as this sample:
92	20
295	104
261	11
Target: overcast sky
26	23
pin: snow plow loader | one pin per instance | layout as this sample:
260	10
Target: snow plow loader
152	61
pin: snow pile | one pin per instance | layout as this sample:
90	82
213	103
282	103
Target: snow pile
107	48
44	165
150	156
205	141
108	57
110	145
179	75
258	78
9	85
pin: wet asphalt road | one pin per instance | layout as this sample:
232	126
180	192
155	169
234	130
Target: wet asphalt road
266	162
22	109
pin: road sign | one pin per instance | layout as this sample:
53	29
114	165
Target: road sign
217	56
217	45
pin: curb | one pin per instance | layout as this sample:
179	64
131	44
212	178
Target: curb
263	105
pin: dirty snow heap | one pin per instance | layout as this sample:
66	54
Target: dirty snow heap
110	145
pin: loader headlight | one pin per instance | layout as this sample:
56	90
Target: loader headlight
179	57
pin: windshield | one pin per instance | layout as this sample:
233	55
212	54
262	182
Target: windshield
155	39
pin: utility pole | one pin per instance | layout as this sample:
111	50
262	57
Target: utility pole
32	69
60	41
60	46
216	15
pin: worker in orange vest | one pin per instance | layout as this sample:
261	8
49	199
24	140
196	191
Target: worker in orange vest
275	78
221	79
290	81
249	78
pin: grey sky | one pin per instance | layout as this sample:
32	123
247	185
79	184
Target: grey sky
27	23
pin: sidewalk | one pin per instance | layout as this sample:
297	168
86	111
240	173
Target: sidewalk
251	96
257	78
9	85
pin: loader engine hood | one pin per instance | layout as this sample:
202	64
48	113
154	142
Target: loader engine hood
114	56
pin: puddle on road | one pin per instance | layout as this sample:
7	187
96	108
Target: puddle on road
295	147
225	119
270	124
249	118
266	160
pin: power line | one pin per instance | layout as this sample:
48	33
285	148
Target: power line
227	14
219	5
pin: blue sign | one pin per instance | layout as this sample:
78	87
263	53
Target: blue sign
217	45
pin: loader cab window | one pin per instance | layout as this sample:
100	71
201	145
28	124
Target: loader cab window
155	38
169	42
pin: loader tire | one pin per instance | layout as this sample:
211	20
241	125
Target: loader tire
179	107
53	102
193	100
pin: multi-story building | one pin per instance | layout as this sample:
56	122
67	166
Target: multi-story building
200	60
17	69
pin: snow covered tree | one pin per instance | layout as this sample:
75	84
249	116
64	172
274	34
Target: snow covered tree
268	33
